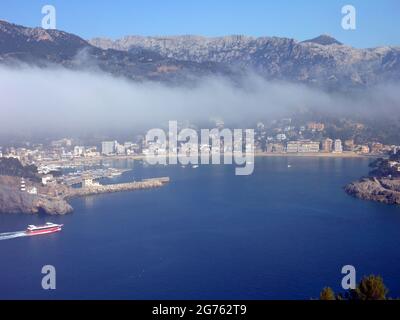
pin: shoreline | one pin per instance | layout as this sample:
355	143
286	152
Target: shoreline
316	155
80	161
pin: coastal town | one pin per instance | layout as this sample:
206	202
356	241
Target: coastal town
282	137
48	174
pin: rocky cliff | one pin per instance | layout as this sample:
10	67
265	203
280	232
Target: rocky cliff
12	201
53	199
322	60
376	189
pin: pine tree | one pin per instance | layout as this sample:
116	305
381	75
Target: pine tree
371	288
327	294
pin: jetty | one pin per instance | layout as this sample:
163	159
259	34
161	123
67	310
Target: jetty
94	188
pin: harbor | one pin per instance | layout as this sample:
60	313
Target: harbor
78	177
91	187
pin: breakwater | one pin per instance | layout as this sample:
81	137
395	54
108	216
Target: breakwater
120	187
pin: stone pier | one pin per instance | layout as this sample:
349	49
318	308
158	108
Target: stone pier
110	188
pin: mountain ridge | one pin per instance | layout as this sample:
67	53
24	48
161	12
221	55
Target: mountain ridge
40	47
322	61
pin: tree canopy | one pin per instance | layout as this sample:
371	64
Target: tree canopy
370	288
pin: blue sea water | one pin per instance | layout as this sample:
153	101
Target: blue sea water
281	233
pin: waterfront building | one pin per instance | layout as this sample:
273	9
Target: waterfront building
108	147
349	144
307	146
89	183
275	148
302	146
292	147
327	145
338	146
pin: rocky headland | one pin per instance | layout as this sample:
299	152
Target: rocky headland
54	199
383	184
13	200
376	189
23	191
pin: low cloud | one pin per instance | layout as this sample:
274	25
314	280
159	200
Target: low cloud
60	100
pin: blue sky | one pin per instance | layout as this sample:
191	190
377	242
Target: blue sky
378	21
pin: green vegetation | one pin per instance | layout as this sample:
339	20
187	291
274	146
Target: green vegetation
370	288
13	167
382	167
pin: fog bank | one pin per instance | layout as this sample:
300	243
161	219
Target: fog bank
64	100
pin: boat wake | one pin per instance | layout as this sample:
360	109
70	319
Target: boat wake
32	230
12	235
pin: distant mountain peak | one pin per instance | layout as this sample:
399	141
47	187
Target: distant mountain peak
321	61
324	39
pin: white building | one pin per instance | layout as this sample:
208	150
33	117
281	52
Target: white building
108	147
79	151
309	147
303	146
23	186
338	148
91	152
46	179
292	147
88	183
32	190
